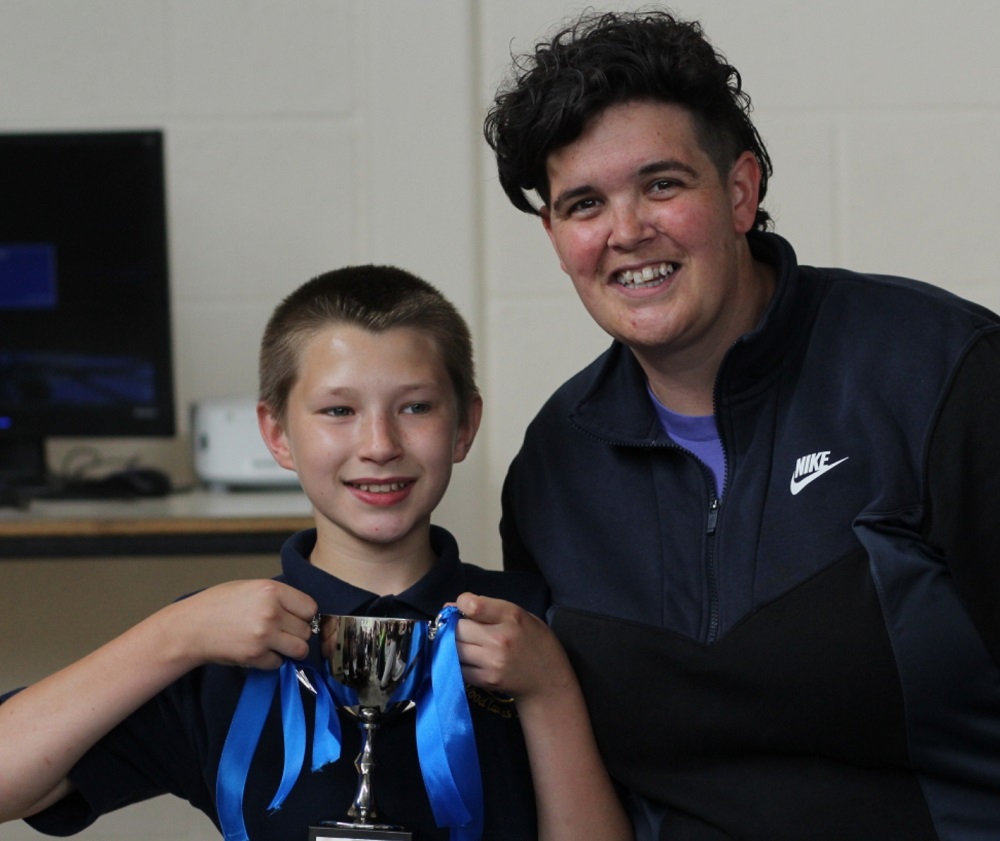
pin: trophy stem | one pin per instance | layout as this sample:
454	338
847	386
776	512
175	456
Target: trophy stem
363	809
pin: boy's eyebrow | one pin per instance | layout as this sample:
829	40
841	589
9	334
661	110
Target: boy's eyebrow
652	168
416	385
409	388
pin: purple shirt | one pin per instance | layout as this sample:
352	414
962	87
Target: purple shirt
698	435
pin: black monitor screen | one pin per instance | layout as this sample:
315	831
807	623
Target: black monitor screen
85	342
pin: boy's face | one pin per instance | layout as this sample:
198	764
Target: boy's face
372	430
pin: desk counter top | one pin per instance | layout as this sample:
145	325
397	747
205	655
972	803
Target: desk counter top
188	522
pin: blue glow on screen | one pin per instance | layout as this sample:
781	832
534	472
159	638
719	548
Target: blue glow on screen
28	277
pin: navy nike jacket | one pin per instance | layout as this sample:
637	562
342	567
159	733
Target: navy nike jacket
816	655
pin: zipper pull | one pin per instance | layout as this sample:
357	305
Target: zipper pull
713	515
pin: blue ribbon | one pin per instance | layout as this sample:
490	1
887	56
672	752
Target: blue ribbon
446	743
241	742
248	724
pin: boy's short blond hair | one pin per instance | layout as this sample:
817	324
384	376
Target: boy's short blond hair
375	298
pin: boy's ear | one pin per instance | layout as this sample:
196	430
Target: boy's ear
274	437
467	431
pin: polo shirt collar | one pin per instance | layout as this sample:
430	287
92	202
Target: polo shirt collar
423	600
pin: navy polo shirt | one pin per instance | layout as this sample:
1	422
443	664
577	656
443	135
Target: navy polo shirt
173	743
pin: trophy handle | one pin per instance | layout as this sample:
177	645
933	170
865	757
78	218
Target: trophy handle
435	625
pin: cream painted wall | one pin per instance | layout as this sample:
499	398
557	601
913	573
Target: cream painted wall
305	134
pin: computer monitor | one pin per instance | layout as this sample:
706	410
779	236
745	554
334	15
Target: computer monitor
85	337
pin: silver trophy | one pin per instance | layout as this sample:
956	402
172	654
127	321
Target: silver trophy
372	656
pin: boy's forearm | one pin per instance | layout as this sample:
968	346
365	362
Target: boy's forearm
504	648
575	796
46	728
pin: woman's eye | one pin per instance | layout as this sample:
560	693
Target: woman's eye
664	185
582	206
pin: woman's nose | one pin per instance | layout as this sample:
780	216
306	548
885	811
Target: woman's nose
629	226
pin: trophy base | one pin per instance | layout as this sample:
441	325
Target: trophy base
338	831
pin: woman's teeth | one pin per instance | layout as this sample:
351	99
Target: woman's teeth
646	276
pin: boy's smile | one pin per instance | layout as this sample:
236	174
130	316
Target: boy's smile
372	430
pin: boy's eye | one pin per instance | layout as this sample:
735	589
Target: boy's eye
339	411
417	408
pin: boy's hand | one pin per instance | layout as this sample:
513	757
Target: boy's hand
245	623
504	648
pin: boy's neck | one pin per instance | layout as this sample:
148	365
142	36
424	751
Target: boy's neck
381	569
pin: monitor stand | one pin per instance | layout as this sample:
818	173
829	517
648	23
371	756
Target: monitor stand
24	473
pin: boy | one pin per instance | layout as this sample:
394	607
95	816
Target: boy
367	391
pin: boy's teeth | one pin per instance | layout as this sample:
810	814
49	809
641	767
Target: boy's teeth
381	489
646	274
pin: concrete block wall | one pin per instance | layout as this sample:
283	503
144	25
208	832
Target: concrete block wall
306	134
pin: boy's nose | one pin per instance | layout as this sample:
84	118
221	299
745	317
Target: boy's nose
379	440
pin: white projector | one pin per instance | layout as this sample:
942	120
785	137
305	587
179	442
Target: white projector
228	449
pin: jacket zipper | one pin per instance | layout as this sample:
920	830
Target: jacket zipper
713	579
713	516
714	506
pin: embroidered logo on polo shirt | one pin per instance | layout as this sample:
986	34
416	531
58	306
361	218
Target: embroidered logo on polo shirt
809	468
493	702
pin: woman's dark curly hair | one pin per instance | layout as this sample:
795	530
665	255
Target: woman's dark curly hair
609	58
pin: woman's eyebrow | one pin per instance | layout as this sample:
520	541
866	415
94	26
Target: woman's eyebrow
651	168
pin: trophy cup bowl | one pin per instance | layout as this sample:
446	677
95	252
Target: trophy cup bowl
373	657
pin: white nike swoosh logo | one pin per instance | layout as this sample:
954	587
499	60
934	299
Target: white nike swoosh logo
798	484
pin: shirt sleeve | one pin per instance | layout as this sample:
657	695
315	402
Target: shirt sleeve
516	556
156	750
963	485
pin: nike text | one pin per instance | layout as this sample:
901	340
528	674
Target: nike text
811	467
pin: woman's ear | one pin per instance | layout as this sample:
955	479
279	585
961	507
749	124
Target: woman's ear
546	217
273	433
467	430
744	191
